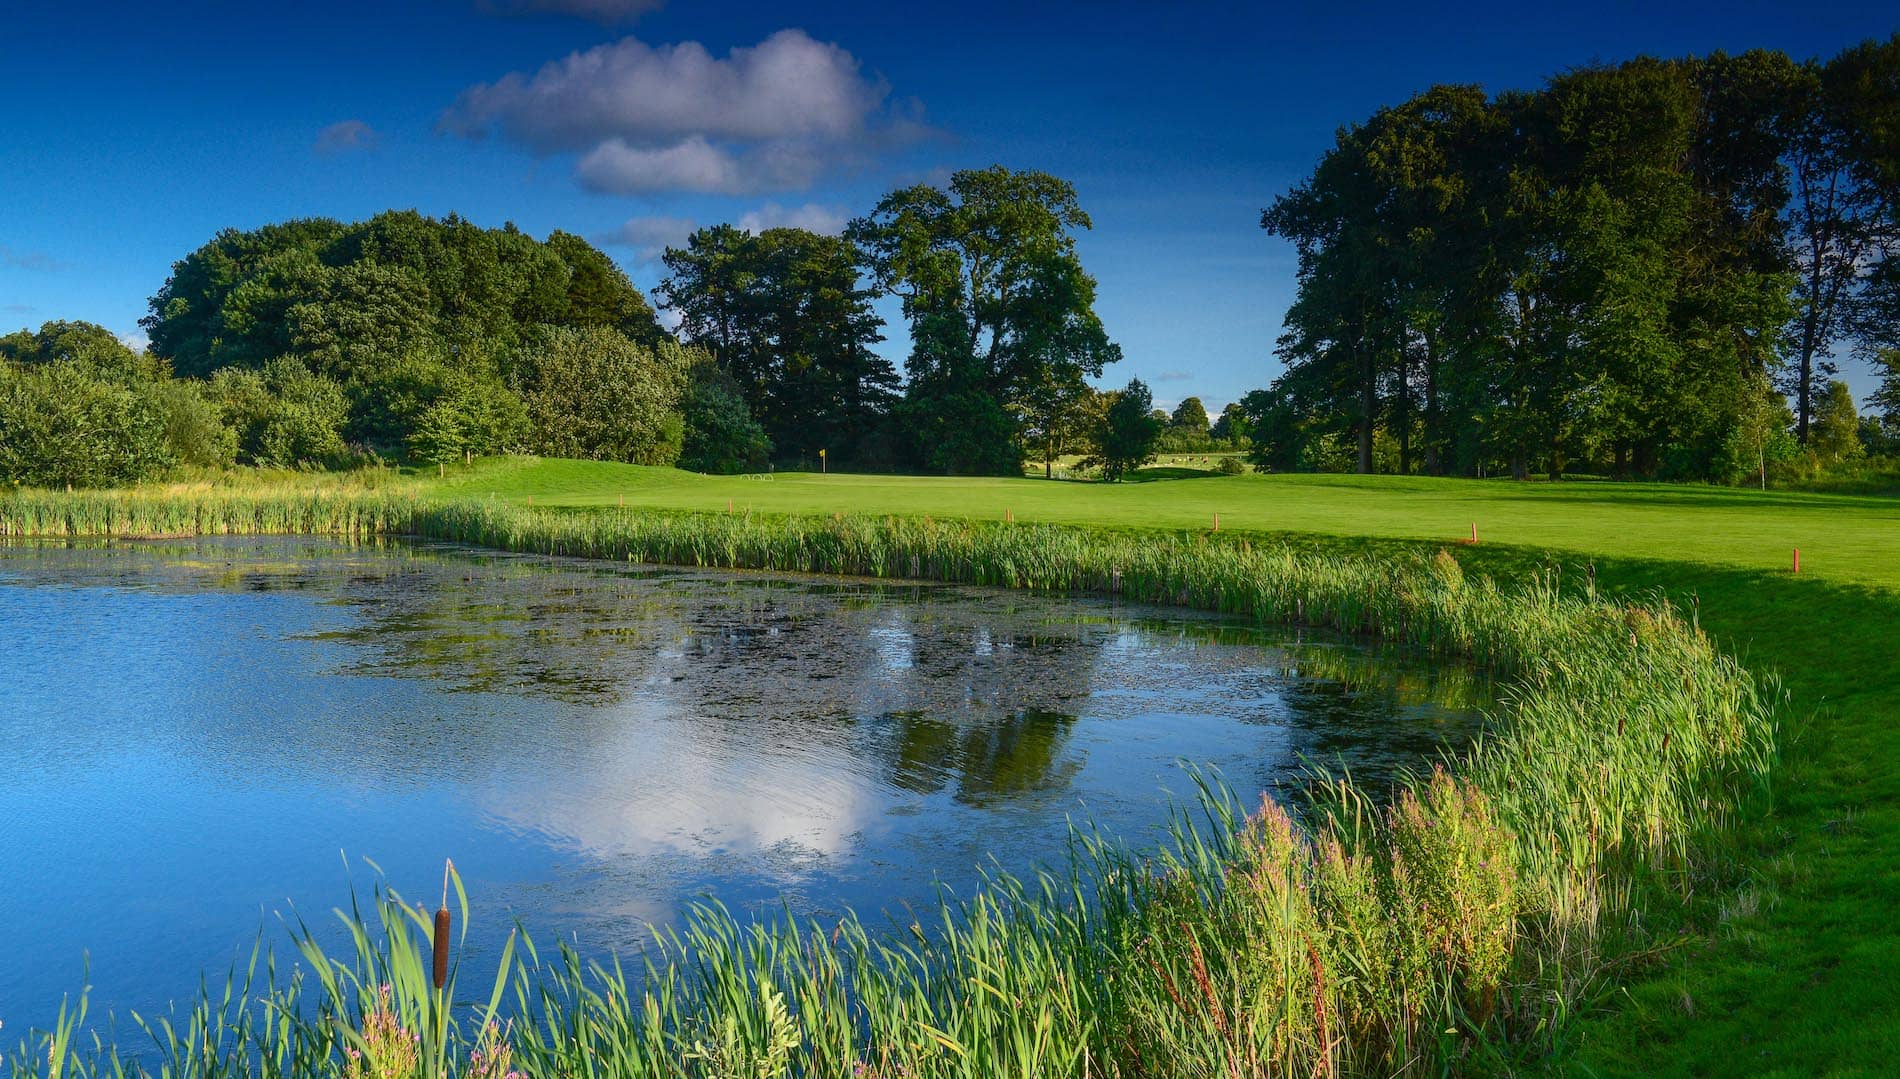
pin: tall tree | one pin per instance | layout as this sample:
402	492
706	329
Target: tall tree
1844	162
990	279
1128	433
1589	272
786	317
1060	414
1233	424
599	292
1190	415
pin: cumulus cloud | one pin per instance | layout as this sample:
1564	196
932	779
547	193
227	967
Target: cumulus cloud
772	116
346	136
136	340
650	236
607	12
616	168
824	220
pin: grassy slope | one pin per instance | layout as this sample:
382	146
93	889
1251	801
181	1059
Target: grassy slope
1799	977
1844	539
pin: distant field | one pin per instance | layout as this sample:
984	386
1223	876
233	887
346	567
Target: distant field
1845	539
1068	466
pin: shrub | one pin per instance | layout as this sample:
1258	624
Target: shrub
721	435
61	425
194	429
596	394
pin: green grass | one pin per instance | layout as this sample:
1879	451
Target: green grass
1843	539
1797	977
1789	972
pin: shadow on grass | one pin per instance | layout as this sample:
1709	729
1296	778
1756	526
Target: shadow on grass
1169	472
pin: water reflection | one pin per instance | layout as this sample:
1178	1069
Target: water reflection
200	726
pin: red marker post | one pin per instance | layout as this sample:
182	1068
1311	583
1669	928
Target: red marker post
1797	560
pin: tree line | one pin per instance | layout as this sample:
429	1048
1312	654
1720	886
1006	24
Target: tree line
1635	270
315	343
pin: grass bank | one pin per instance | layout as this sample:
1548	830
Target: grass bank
1461	927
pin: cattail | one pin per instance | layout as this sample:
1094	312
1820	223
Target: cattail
441	971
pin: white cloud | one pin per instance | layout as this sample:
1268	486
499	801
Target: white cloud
1174	376
824	220
786	86
650	236
772	116
137	340
616	168
346	136
606	12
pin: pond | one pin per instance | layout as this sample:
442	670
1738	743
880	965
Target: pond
205	737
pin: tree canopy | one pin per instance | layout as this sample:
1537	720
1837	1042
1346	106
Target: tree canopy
1128	431
1608	271
424	329
1002	314
786	317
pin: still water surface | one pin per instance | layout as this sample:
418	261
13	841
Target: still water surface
202	737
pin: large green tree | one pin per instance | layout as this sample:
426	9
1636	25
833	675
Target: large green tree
1844	217
592	393
1190	415
999	304
395	310
1595	273
1128	432
787	318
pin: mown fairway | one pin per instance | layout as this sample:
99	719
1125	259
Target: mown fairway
1792	973
1843	539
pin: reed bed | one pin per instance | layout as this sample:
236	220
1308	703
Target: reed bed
1450	925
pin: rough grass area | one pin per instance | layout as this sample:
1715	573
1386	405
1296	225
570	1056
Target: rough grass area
1599	830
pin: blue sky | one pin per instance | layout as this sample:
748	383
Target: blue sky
133	132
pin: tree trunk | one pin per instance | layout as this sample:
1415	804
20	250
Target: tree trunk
1432	464
1404	403
1368	404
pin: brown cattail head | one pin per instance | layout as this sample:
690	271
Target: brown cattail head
441	946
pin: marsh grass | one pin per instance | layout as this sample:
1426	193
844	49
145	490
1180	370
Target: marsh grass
1453	924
